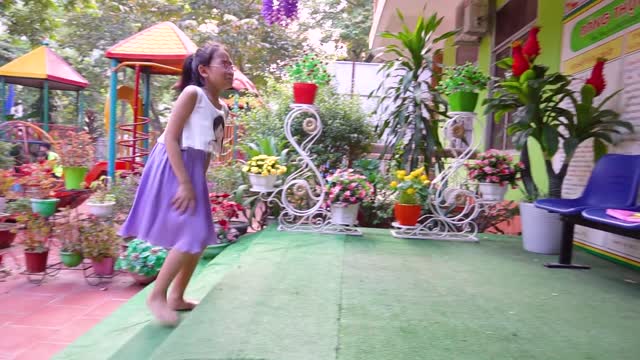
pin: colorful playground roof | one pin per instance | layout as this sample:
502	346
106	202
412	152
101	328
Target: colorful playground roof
162	44
41	64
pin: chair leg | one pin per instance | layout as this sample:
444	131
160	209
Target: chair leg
566	251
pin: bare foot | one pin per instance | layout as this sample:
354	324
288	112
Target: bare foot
182	304
162	312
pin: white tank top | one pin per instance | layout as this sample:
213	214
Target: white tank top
198	130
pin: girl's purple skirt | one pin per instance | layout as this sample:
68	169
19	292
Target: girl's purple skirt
154	219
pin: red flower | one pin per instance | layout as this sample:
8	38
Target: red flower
597	77
531	48
520	63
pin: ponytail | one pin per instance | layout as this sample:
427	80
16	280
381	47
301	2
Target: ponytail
190	74
187	77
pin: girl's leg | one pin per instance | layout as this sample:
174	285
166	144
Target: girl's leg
176	299
157	300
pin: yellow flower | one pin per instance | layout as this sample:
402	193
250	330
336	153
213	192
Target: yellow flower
255	170
427	182
424	178
401	178
245	168
273	172
401	174
411	191
409	178
394	184
264	173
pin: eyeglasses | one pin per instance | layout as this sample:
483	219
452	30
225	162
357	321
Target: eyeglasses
229	67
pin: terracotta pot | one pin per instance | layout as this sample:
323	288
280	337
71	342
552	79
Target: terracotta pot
407	214
36	262
103	267
6	235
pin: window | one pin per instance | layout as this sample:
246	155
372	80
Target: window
512	22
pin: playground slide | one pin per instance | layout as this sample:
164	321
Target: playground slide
101	169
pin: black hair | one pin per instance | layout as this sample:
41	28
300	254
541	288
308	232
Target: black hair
202	56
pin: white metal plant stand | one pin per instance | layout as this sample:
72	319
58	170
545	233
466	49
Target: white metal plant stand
303	195
453	205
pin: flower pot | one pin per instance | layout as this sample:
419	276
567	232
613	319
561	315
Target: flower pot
74	177
44	207
36	262
241	227
212	251
262	183
304	93
6	235
492	191
3	204
463	101
541	230
103	267
101	209
142	279
407	214
344	214
70	259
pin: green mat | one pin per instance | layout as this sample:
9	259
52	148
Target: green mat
305	296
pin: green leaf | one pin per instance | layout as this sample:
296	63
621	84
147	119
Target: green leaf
550	139
599	149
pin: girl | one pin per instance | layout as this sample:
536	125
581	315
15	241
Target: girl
172	208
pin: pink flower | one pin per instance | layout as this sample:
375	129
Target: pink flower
488	170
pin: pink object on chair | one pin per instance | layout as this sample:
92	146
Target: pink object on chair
626	215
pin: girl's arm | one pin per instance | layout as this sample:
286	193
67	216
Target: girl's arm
182	109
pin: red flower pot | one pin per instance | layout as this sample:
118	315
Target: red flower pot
304	93
103	267
6	235
36	262
407	215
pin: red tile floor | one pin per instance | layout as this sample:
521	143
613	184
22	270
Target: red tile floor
36	321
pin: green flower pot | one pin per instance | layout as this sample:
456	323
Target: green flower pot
70	259
212	251
44	207
463	101
74	177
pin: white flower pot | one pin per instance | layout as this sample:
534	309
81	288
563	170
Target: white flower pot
3	204
262	183
344	214
541	230
101	209
492	191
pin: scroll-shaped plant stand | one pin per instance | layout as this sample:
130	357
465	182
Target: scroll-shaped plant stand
303	194
453	205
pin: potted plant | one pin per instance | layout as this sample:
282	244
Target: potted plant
38	182
263	172
70	242
494	170
461	85
142	261
536	98
124	192
6	182
76	152
225	216
410	102
307	74
100	243
346	190
412	191
102	202
35	239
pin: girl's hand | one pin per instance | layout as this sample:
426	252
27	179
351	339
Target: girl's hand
185	198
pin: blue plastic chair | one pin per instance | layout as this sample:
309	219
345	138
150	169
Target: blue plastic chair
613	183
600	215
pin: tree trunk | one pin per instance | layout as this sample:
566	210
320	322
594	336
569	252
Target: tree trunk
556	179
527	179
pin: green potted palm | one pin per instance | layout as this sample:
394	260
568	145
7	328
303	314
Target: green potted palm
307	74
461	85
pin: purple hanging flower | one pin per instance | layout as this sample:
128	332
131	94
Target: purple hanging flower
282	13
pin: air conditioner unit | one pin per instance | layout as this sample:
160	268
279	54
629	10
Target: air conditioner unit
472	17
